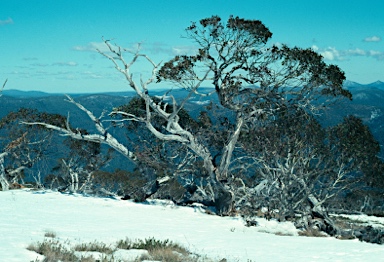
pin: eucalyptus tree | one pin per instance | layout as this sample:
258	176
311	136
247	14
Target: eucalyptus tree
252	79
76	169
23	146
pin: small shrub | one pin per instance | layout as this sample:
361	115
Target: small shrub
166	254
283	234
53	250
50	234
94	247
160	250
147	244
125	244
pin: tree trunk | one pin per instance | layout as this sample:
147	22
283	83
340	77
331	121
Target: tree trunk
223	200
3	180
229	147
318	211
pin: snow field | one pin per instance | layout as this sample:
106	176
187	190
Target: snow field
27	215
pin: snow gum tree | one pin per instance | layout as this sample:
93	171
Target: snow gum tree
77	168
253	81
22	146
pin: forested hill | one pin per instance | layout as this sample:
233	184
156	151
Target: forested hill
367	104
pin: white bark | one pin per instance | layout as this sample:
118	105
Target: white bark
229	147
103	137
2	88
175	131
3	180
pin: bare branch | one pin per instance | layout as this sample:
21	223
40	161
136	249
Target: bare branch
1	90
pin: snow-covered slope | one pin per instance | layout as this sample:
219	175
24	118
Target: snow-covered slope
27	215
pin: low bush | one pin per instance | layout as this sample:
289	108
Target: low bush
53	250
159	250
95	247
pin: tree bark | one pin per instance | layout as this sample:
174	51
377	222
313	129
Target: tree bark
319	211
3	180
229	147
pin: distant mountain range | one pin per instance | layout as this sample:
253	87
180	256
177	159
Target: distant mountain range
27	94
367	103
353	85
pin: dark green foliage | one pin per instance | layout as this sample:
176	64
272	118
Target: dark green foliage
287	128
124	182
356	144
177	68
26	145
255	28
83	158
354	139
346	153
172	190
32	115
239	59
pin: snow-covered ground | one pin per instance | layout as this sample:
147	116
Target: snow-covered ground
27	215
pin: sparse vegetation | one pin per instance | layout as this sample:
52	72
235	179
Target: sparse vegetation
55	250
50	234
312	232
95	247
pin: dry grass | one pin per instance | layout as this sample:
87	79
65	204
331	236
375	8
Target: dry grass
159	250
95	247
50	234
167	254
53	250
312	232
283	234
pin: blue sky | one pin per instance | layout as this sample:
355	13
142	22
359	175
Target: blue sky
50	45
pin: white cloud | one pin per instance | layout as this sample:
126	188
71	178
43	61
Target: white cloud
315	48
377	54
158	48
71	63
332	54
6	22
356	52
93	47
372	39
184	50
329	53
40	64
91	75
102	47
148	48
